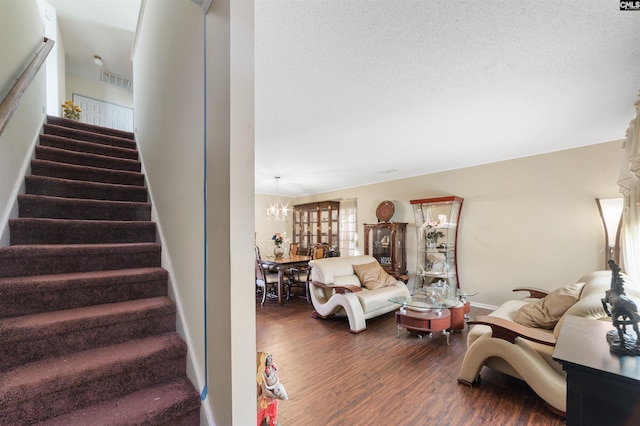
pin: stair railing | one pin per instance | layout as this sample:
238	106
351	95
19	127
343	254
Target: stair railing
12	100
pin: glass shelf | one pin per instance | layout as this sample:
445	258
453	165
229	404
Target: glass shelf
437	221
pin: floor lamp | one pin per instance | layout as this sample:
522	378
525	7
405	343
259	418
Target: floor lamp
611	214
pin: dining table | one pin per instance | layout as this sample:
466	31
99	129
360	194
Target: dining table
282	264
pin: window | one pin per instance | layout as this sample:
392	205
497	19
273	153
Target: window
348	227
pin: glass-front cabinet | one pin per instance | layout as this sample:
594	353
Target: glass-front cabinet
386	241
315	223
437	237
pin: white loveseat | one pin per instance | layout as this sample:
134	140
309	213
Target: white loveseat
335	289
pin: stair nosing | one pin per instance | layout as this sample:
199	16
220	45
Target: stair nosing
86	156
65	139
88	364
43	324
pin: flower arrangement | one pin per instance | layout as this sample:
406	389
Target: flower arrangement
71	110
277	239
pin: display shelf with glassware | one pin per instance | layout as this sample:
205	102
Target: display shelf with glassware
437	236
315	223
386	241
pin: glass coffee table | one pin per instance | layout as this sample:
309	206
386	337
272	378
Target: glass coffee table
421	313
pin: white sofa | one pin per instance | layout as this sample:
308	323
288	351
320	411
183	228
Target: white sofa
526	353
335	289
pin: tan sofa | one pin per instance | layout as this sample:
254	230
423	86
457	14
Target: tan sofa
335	289
526	353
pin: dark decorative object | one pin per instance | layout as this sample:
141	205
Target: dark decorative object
623	312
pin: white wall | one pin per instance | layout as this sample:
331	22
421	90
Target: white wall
21	33
170	125
98	91
529	221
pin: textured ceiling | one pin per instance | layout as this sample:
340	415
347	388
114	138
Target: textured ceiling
347	89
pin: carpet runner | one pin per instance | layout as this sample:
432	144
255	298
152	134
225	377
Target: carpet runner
87	330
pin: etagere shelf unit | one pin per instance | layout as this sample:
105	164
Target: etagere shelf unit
437	237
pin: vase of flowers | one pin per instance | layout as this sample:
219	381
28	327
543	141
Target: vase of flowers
71	110
277	238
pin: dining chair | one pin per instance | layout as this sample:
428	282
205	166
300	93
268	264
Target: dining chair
265	279
317	251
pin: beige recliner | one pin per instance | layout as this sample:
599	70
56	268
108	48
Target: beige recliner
496	341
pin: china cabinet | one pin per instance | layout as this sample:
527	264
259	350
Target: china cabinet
386	241
316	223
437	237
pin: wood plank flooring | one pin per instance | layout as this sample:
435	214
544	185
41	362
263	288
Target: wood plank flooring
336	378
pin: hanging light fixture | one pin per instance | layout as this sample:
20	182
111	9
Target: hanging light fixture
97	60
277	211
611	212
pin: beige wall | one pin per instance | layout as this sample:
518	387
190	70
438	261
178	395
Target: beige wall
98	91
529	221
21	35
170	121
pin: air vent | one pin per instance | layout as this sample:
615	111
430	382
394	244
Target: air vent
115	80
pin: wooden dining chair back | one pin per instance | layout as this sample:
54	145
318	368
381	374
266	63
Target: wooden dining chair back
320	251
264	279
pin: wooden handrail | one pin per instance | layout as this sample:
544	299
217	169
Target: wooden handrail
12	100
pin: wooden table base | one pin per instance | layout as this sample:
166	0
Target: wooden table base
429	322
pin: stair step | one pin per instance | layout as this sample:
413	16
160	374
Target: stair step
49	388
83	135
26	295
64	231
175	403
65	122
29	260
81	159
54	334
85	173
75	208
56	187
87	147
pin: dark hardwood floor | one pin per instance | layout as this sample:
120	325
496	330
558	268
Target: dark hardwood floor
334	377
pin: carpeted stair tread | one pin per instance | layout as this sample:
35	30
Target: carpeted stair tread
65	122
85	173
25	295
82	135
171	403
87	330
65	231
87	147
76	208
83	159
35	337
58	259
56	386
68	188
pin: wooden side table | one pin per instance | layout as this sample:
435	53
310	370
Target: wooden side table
602	388
429	322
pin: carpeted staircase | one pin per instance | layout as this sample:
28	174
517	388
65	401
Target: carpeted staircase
87	332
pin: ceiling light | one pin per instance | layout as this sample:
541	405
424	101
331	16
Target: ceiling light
97	60
277	211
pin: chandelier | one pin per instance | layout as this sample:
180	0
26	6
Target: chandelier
277	211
